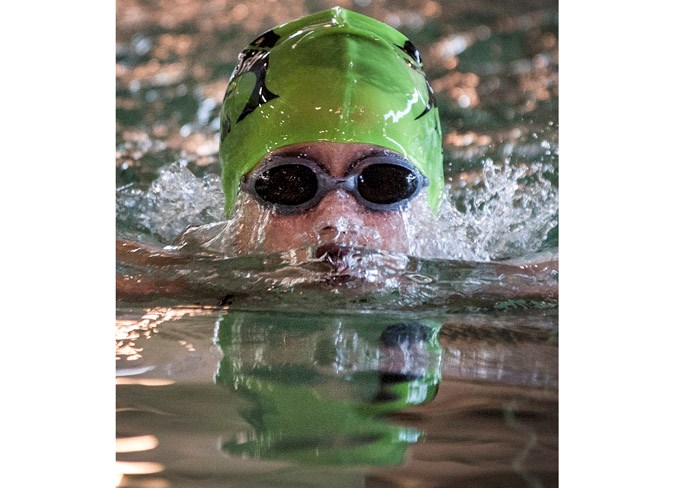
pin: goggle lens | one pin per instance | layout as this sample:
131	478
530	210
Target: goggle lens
288	184
386	184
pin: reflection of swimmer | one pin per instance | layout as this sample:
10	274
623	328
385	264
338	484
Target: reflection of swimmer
330	127
319	394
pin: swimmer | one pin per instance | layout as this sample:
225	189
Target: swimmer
330	140
330	128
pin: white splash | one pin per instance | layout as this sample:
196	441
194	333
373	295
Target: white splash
504	211
499	212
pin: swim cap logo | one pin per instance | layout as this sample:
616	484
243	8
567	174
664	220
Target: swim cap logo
431	101
411	50
251	61
413	53
266	40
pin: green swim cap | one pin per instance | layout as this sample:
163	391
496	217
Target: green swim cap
334	76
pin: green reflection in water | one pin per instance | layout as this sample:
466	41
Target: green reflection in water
318	390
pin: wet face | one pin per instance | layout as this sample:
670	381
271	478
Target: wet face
338	219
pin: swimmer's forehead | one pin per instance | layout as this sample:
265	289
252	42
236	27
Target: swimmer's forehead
327	153
321	150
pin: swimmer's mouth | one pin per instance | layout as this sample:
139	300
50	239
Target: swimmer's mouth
335	255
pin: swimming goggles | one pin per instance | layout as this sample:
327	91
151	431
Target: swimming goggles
294	184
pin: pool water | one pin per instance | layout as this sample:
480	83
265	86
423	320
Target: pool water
436	369
212	397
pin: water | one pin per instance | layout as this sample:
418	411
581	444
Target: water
436	368
227	398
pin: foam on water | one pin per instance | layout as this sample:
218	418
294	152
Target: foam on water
174	201
456	259
505	210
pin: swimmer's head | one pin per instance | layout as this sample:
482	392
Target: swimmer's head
334	76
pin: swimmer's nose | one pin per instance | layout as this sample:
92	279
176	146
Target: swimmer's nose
337	213
336	205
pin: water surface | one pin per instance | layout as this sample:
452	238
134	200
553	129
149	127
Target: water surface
228	398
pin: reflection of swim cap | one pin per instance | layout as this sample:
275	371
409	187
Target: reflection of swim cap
332	76
318	387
